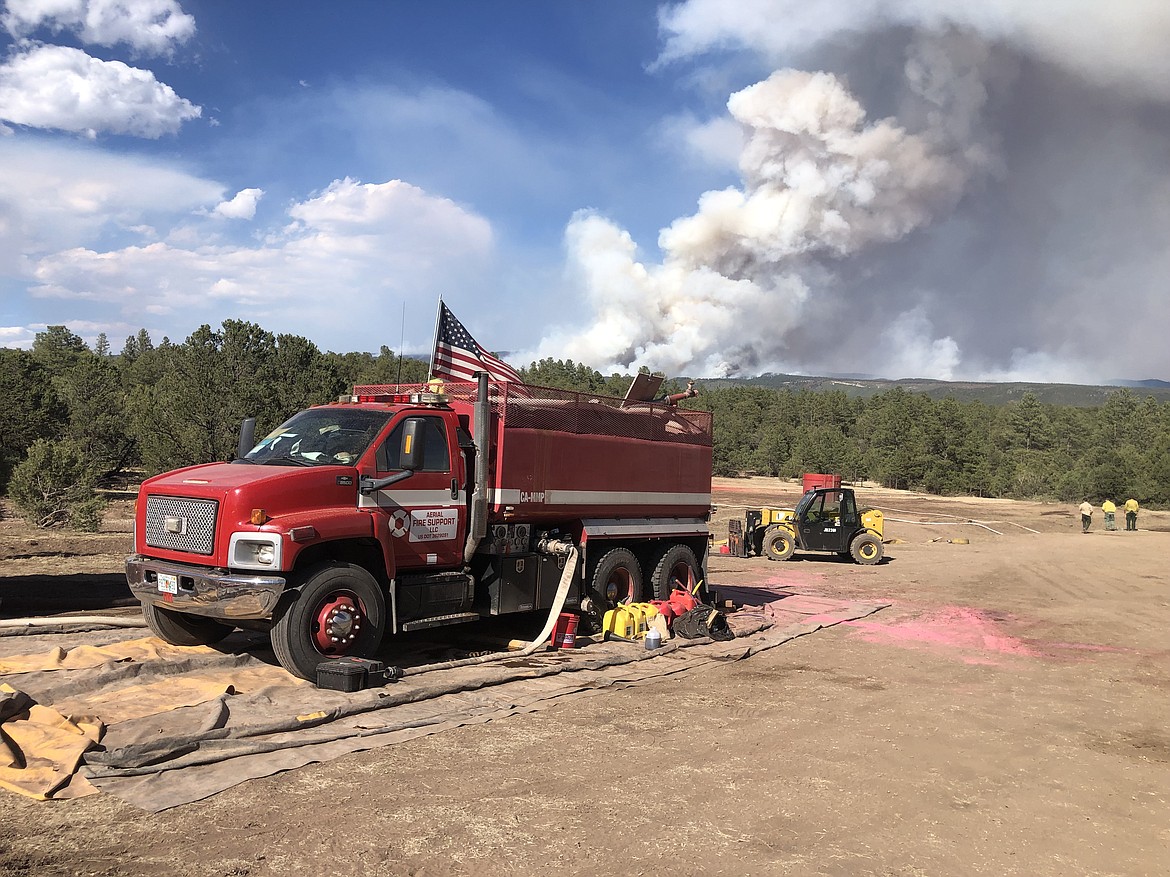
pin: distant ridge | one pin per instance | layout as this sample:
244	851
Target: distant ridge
1083	396
1148	383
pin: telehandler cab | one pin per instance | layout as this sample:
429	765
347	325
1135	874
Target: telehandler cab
825	519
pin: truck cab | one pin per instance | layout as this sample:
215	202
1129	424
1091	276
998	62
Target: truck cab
827	520
332	511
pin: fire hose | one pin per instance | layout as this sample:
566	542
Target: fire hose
58	620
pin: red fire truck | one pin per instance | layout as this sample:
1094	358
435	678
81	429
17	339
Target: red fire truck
395	511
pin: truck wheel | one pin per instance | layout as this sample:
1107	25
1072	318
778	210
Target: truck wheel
340	610
779	545
676	570
866	548
180	629
617	578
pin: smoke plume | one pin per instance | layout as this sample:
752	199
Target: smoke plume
999	216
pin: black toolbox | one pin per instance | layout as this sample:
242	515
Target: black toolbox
354	674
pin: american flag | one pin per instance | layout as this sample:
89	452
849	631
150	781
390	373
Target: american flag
458	356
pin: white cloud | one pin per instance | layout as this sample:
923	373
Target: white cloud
60	88
19	337
346	249
242	206
146	25
23	337
60	195
347	206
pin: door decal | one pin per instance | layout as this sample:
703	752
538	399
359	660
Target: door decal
399	523
428	525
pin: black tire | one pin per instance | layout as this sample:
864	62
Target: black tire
779	544
677	570
339	610
617	578
866	548
757	546
181	629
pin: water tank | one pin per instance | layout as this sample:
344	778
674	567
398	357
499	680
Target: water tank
813	480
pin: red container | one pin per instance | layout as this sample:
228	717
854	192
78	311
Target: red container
682	602
564	635
666	610
813	480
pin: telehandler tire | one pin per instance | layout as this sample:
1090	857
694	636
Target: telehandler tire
866	548
779	545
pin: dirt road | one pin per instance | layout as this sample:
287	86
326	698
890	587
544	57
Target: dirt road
1008	714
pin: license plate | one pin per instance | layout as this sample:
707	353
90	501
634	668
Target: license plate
167	583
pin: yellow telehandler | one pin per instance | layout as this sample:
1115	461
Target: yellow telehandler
825	519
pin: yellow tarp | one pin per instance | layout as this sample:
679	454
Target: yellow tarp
148	699
40	749
83	657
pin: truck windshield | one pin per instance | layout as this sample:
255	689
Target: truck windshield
320	437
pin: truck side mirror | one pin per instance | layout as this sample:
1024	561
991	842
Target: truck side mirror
247	437
411	456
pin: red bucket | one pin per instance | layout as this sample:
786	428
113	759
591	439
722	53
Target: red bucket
564	635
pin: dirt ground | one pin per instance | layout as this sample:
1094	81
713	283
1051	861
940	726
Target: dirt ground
1008	714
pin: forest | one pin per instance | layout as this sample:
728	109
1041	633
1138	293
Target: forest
74	419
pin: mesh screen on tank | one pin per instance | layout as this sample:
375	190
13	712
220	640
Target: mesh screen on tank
545	408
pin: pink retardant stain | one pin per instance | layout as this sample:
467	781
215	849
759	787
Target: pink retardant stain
958	628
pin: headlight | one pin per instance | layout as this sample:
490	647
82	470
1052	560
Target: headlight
254	551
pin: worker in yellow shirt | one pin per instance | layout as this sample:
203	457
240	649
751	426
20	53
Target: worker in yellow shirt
1110	511
1131	510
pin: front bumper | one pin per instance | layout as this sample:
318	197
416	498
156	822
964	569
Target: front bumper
204	591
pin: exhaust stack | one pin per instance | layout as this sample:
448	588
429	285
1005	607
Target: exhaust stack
477	526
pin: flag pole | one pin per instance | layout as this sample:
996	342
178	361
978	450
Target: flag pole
435	343
401	341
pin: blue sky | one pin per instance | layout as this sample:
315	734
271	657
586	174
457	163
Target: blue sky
895	187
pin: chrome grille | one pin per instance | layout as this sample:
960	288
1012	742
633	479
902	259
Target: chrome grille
181	524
